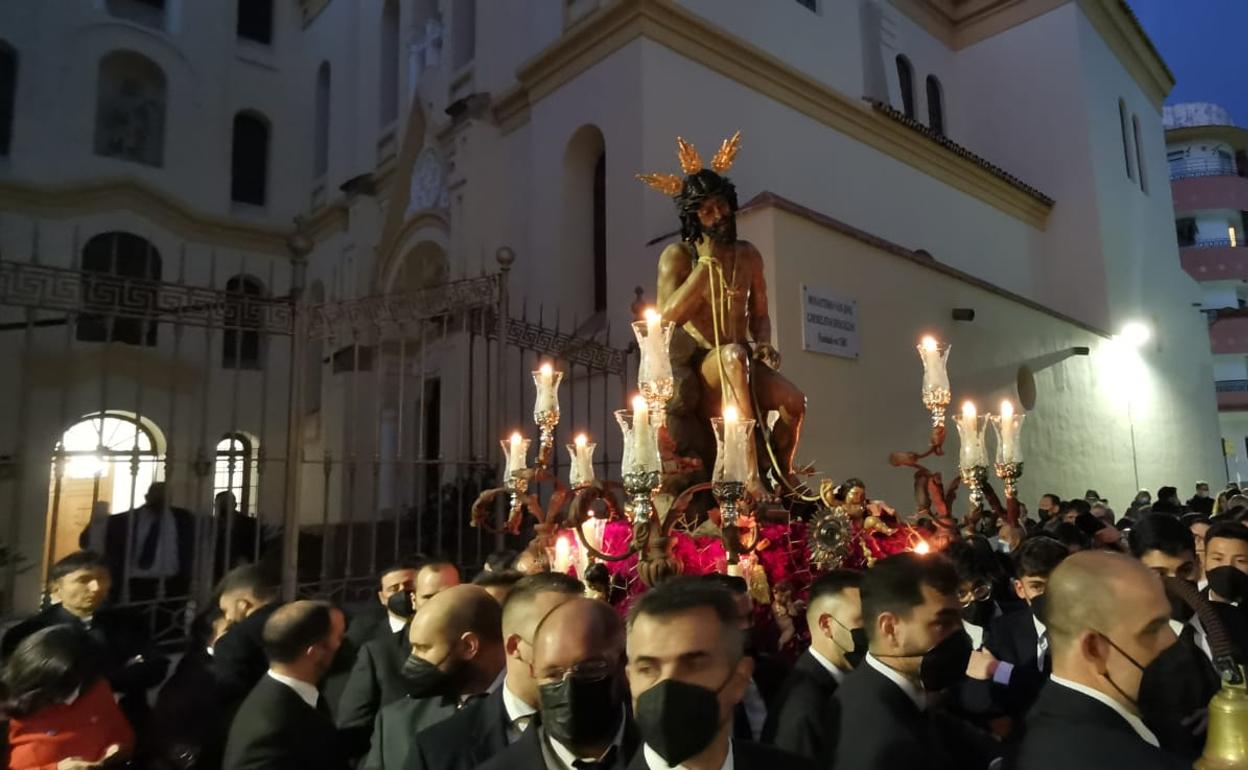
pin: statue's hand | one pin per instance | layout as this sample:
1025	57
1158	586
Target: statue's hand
705	247
768	355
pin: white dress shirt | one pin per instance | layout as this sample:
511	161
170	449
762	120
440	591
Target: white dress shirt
836	673
655	762
1145	734
912	690
561	757
396	622
519	714
304	690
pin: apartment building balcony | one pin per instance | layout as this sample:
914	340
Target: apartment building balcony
1228	331
1215	260
1208	185
1232	395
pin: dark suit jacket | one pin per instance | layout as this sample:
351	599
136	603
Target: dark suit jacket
475	733
187	727
1071	731
375	680
396	728
116	530
797	720
275	729
1180	683
880	728
238	660
747	756
526	753
118	638
1012	638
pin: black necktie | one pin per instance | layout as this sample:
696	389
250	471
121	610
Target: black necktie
605	763
147	554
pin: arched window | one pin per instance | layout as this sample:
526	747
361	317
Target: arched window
388	75
935	105
255	21
8	95
130	109
464	30
103	464
1139	153
1126	138
600	233
234	472
149	13
320	161
240	347
249	159
905	81
120	309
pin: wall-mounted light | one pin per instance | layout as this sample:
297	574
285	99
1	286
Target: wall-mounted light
963	314
1135	334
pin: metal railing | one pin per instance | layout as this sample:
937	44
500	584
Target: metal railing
1188	169
1214	243
1231	386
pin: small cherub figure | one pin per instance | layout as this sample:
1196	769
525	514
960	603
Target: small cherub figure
784	610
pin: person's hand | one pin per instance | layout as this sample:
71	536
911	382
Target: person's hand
982	665
111	754
705	247
766	352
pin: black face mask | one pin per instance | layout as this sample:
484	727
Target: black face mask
855	654
678	719
578	713
1037	608
1155	678
1228	583
979	613
945	664
425	680
400	604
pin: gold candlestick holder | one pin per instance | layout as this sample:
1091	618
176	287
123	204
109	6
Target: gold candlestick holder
1009	473
640	487
546	422
657	393
936	401
973	477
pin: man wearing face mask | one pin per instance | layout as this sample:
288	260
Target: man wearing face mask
487	726
1108	621
1226	559
374	680
918	647
456	653
578	666
687	671
797	719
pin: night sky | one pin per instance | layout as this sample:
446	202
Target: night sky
1203	41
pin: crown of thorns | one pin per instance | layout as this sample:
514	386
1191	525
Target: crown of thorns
691	163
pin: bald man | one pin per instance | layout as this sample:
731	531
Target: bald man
488	725
578	665
457	653
1108	619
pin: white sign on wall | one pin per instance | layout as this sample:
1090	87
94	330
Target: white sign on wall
829	323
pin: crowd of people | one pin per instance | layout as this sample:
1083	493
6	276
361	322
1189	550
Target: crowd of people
1063	642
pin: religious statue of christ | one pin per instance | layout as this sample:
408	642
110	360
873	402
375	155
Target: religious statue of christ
712	286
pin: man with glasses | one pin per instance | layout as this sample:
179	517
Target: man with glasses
488	725
578	666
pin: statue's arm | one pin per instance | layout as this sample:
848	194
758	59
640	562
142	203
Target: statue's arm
760	315
680	288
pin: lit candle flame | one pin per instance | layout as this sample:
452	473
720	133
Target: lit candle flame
929	343
968	409
731	414
581	440
1007	409
639	404
562	552
546	369
651	315
516	438
922	547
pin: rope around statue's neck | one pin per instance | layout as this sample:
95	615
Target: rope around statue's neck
719	313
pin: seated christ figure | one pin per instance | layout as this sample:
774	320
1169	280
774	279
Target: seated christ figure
712	287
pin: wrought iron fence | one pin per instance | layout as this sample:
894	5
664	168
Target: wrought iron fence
1188	169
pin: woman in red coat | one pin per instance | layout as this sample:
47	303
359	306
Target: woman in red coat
61	716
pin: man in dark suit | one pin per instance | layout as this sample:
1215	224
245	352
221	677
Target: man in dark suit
157	539
578	664
375	679
797	718
910	611
486	726
687	671
247	596
456	654
1107	620
120	643
284	724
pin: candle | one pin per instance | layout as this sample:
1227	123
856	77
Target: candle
1009	427
517	459
645	450
971	435
581	452
935	375
658	364
563	554
734	467
546	388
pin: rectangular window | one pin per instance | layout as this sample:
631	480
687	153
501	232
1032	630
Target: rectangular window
255	21
1186	230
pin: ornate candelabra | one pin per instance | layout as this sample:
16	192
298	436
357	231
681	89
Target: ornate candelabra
654	373
972	455
936	392
546	410
730	476
1008	428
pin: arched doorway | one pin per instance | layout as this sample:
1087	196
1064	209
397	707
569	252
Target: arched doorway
103	464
